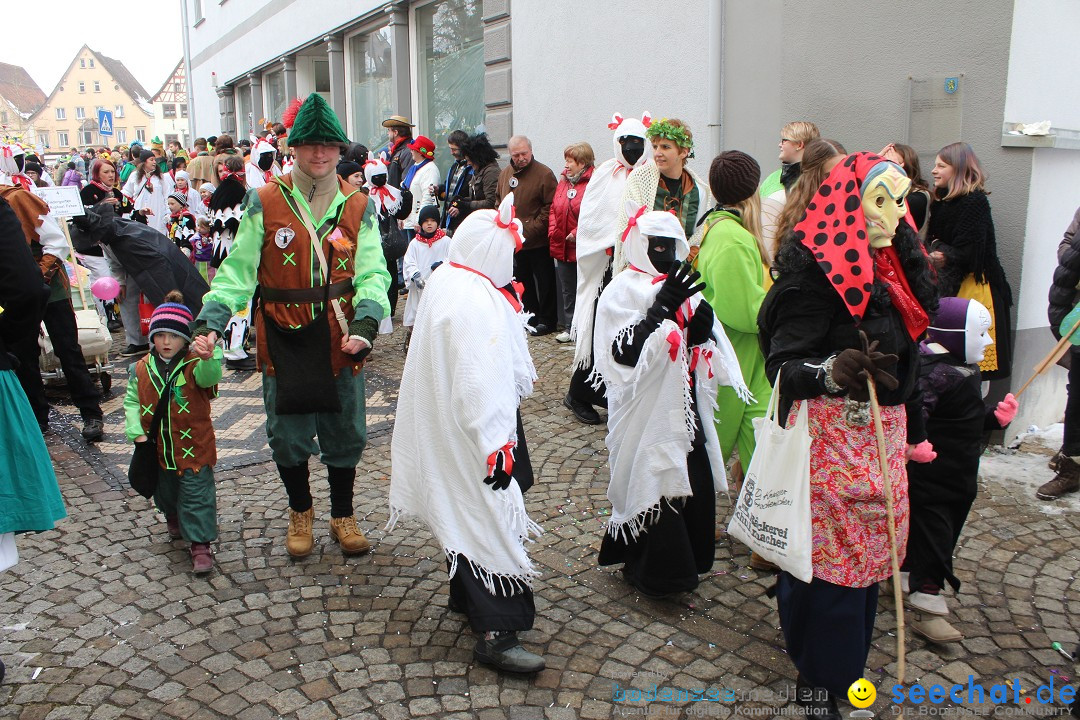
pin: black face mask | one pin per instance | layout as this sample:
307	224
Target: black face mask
379	180
266	161
662	253
20	160
633	147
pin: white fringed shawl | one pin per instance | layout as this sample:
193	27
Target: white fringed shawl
641	190
468	368
650	418
596	234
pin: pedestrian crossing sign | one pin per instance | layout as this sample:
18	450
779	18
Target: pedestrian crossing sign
104	118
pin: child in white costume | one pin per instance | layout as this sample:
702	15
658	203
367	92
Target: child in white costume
458	457
426	252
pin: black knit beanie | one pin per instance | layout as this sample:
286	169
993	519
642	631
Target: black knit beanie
345	168
733	177
429	212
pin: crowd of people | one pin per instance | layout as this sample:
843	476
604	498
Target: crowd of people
690	299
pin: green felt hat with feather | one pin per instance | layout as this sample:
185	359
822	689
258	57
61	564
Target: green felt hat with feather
316	123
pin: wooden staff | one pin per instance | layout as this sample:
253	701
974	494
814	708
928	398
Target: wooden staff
1050	360
894	556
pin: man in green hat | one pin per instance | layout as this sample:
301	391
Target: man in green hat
309	241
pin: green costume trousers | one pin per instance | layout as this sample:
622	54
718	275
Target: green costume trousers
341	436
192	498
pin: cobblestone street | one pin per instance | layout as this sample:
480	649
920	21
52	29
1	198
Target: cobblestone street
101	618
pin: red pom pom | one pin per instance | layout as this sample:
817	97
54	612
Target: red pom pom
289	117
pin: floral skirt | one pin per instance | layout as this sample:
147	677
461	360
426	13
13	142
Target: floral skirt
847	495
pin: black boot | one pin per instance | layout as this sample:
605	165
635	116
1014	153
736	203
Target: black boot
584	412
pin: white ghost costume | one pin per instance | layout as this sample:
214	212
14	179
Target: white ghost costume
653	418
597	233
467	370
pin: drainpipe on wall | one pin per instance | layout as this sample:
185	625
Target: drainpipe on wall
716	75
187	70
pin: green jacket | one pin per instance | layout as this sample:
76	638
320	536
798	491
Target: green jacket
181	426
236	279
771	184
731	268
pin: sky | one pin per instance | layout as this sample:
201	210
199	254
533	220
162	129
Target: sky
149	54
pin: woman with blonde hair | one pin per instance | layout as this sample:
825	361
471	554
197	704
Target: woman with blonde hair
963	248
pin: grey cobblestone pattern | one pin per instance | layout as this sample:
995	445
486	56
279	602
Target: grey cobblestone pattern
102	619
239	421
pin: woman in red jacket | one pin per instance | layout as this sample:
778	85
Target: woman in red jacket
562	224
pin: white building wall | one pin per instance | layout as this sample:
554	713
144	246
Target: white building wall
1054	197
576	63
241	34
1043	82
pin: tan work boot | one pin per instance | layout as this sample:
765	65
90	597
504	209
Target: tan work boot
935	628
299	541
348	536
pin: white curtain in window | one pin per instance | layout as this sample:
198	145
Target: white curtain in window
371	91
450	47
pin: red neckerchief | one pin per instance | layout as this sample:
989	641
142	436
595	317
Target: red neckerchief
22	180
887	267
98	184
514	302
267	175
226	174
438	235
178	215
397	145
383	194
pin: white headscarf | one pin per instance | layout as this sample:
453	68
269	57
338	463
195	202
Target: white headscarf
486	242
657	223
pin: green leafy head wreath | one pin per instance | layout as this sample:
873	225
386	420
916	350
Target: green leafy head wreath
678	134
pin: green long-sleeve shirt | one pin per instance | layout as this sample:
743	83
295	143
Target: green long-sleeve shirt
236	279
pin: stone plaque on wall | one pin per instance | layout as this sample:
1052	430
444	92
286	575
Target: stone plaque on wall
935	109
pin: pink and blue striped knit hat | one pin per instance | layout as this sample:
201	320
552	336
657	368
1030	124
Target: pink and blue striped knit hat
174	317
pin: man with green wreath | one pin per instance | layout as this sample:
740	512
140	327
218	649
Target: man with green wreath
310	243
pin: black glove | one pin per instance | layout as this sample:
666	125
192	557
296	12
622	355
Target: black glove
678	286
700	328
500	480
435	265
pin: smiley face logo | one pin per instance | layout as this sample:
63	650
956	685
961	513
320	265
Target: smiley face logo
862	693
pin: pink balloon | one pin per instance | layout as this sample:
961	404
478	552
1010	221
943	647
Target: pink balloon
105	288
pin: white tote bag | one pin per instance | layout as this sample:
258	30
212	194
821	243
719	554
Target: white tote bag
772	514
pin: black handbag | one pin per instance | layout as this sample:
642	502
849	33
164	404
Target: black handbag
394	242
144	467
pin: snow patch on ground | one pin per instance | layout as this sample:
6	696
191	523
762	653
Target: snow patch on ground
1035	439
1021	474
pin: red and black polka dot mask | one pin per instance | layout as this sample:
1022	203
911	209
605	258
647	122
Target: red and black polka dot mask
834	230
